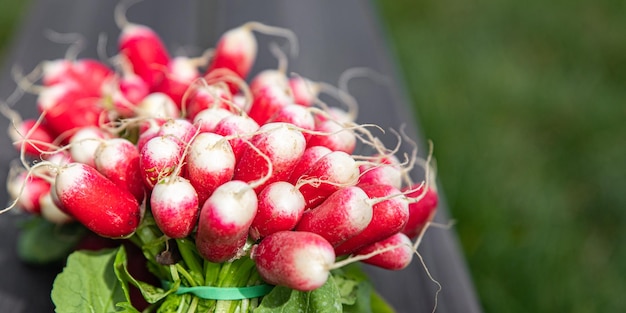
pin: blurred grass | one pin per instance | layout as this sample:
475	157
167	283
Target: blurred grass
526	104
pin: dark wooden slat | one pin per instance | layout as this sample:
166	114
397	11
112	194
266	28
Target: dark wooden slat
333	37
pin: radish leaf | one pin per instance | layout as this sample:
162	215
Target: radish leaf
282	299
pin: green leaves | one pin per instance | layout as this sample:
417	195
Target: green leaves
88	283
43	242
282	299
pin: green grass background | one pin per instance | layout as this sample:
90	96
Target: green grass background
526	104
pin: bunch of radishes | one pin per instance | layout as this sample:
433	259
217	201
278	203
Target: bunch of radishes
254	167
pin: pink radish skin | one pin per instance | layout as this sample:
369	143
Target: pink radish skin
145	51
420	212
69	108
389	217
174	205
207	119
267	101
179	75
335	137
297	115
33	189
236	125
387	172
158	158
96	201
210	163
34	142
236	50
85	142
204	97
303	90
282	144
399	257
267	78
280	208
309	157
335	170
118	160
343	215
295	259
126	93
87	73
225	219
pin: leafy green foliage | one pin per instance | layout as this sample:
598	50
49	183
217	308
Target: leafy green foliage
42	242
322	300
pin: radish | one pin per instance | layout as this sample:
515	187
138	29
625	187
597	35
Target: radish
297	115
304	91
158	158
344	214
207	119
295	259
85	142
396	252
68	108
200	98
329	174
309	157
174	205
118	160
157	105
125	93
32	135
225	219
179	75
268	100
27	190
391	213
96	201
421	211
236	125
388	171
178	128
210	163
142	48
88	74
283	144
51	212
280	207
336	136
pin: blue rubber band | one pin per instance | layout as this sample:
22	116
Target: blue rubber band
224	293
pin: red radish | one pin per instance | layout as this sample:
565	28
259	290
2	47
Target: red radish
280	208
143	49
179	75
396	252
388	171
96	201
304	91
85	142
295	259
309	157
51	212
329	174
34	136
126	92
343	215
69	108
281	143
158	158
118	160
208	119
336	136
270	77
148	130
88	74
179	128
210	163
27	190
267	101
225	219
297	115
391	213
420	212
200	98
174	205
236	125
157	105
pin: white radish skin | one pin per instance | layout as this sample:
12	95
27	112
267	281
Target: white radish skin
281	143
157	105
174	205
210	163
158	158
225	219
309	157
118	160
295	259
179	128
236	50
207	119
236	125
85	142
200	98
336	137
297	115
280	208
27	190
179	75
343	215
51	212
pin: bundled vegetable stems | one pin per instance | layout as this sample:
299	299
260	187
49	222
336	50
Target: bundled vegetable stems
219	182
